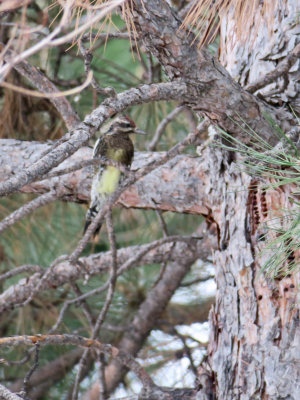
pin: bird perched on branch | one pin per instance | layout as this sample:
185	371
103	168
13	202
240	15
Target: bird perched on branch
114	145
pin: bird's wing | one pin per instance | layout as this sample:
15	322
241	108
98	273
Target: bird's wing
100	147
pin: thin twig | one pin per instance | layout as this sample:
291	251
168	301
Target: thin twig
106	35
31	371
27	209
85	307
162	222
88	58
80	341
21	270
149	68
42	281
198	280
124	267
162	126
78	137
108	300
102	383
166	234
85	163
43	84
187	352
99	263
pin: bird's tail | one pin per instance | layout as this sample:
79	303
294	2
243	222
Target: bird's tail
90	215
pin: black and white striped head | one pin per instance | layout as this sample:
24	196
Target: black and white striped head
123	125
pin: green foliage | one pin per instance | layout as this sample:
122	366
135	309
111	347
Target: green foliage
277	167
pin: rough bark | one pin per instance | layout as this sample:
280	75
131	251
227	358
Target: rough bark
182	190
255	330
267	44
254	324
211	90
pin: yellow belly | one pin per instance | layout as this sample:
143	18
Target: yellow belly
109	180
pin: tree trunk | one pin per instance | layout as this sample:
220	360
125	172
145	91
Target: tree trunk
254	337
255	322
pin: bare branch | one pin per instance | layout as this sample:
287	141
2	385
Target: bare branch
20	270
175	150
153	253
41	281
212	90
88	58
79	341
169	188
7	395
166	234
101	374
108	300
42	83
79	137
50	373
139	252
145	318
85	307
31	371
27	209
187	352
162	126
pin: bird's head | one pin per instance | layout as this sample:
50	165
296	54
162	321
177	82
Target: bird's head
123	124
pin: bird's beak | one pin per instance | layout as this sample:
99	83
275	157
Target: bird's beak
139	132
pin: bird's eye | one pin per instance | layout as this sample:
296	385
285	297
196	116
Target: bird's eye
126	125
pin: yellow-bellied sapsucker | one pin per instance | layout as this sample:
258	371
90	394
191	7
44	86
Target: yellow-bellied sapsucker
115	145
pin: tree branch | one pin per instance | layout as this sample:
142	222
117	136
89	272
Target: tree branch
79	136
53	372
8	395
156	252
79	341
44	85
211	90
27	209
147	315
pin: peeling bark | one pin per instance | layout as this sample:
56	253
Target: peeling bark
265	48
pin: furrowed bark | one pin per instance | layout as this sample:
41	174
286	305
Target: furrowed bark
211	90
